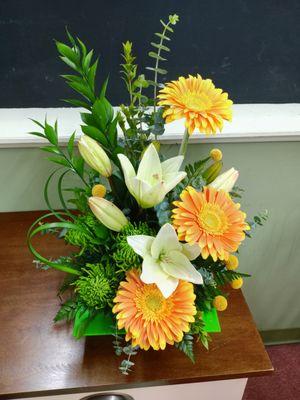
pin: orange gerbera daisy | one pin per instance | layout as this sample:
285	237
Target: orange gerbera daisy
211	219
198	101
150	319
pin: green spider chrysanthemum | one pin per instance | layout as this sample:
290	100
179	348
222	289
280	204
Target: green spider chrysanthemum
95	287
124	256
82	238
77	238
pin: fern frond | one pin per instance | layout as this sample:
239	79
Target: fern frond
187	346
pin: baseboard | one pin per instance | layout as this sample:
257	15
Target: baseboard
281	336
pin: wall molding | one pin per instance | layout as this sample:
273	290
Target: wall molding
251	123
281	336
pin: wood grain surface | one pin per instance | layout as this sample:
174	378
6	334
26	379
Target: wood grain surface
39	358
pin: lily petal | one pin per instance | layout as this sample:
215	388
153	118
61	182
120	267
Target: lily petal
178	266
167	286
225	181
128	170
150	169
191	251
147	196
165	241
141	244
172	180
151	271
171	165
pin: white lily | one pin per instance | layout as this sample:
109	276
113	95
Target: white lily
154	179
94	155
107	213
225	181
165	259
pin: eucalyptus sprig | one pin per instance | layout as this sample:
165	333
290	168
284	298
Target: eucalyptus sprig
157	52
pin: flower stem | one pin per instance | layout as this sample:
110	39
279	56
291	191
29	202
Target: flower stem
113	188
184	143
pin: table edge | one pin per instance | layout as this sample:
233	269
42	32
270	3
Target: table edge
136	385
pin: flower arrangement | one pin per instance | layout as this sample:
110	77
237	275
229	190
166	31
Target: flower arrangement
152	243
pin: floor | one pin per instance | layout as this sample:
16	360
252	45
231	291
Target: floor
284	384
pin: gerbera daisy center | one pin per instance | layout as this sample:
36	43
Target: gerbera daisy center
213	219
196	101
151	303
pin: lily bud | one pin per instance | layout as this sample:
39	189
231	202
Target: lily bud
108	214
212	172
94	155
226	181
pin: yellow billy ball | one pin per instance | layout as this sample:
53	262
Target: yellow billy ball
220	303
237	283
232	263
99	190
216	154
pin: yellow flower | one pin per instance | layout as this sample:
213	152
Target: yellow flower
216	154
237	283
150	320
220	303
203	106
99	190
211	219
232	263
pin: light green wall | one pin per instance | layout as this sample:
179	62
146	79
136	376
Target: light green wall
269	173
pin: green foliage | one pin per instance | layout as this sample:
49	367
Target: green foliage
127	364
258	220
99	122
119	347
158	49
95	286
123	255
194	177
68	158
78	238
89	232
215	275
84	315
67	310
198	328
134	84
80	60
236	192
128	68
205	295
194	173
225	276
163	212
117	343
39	226
67	282
187	346
79	199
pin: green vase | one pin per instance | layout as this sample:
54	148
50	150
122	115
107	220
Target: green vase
103	324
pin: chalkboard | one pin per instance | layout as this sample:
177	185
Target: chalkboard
248	48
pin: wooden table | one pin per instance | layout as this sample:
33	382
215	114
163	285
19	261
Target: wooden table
38	358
